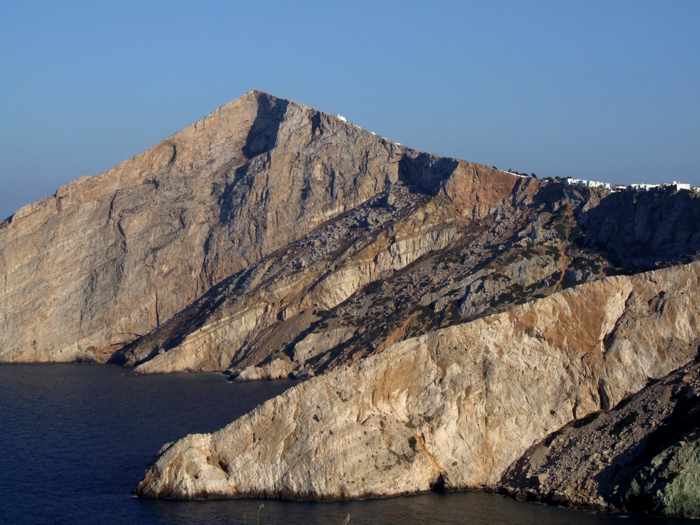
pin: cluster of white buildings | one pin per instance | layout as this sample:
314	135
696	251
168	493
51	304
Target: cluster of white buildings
675	185
589	183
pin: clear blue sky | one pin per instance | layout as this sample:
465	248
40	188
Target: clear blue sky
597	89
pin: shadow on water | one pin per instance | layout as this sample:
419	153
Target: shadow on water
473	508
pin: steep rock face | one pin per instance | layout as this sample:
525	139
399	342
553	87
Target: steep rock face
644	455
109	258
268	306
272	239
452	408
518	252
642	229
420	261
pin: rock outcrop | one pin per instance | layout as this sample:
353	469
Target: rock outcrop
450	409
279	309
644	455
271	239
411	264
109	258
457	313
643	229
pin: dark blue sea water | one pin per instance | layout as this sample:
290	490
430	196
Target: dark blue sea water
75	440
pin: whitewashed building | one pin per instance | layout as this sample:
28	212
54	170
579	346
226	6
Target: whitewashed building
680	185
589	183
642	186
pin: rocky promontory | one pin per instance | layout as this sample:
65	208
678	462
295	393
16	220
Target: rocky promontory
644	455
270	240
451	409
109	258
445	316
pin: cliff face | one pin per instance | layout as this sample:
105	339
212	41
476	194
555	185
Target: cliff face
109	258
411	263
644	229
452	408
642	456
459	313
271	239
280	311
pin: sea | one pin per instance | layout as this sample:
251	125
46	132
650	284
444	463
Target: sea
75	439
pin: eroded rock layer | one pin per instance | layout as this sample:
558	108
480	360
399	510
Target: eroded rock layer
452	408
109	258
273	240
406	263
644	455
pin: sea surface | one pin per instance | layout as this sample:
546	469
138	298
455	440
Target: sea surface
76	439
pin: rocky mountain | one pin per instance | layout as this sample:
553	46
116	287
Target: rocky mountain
451	409
107	259
454	314
414	259
272	239
642	456
406	263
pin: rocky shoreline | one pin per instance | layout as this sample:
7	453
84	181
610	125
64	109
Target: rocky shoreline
455	326
454	408
641	456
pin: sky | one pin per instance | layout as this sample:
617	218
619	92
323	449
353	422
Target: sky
590	89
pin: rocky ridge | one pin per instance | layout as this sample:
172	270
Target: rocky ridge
109	258
293	292
458	314
644	455
271	239
424	269
453	408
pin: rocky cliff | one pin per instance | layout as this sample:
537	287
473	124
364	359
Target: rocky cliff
109	258
452	408
458	314
270	239
644	455
412	263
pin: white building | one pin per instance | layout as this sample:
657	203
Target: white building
341	118
589	183
676	185
645	187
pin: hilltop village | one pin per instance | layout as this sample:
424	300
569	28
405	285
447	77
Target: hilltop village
675	185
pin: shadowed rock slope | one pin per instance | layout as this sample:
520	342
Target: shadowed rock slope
452	408
642	456
406	263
